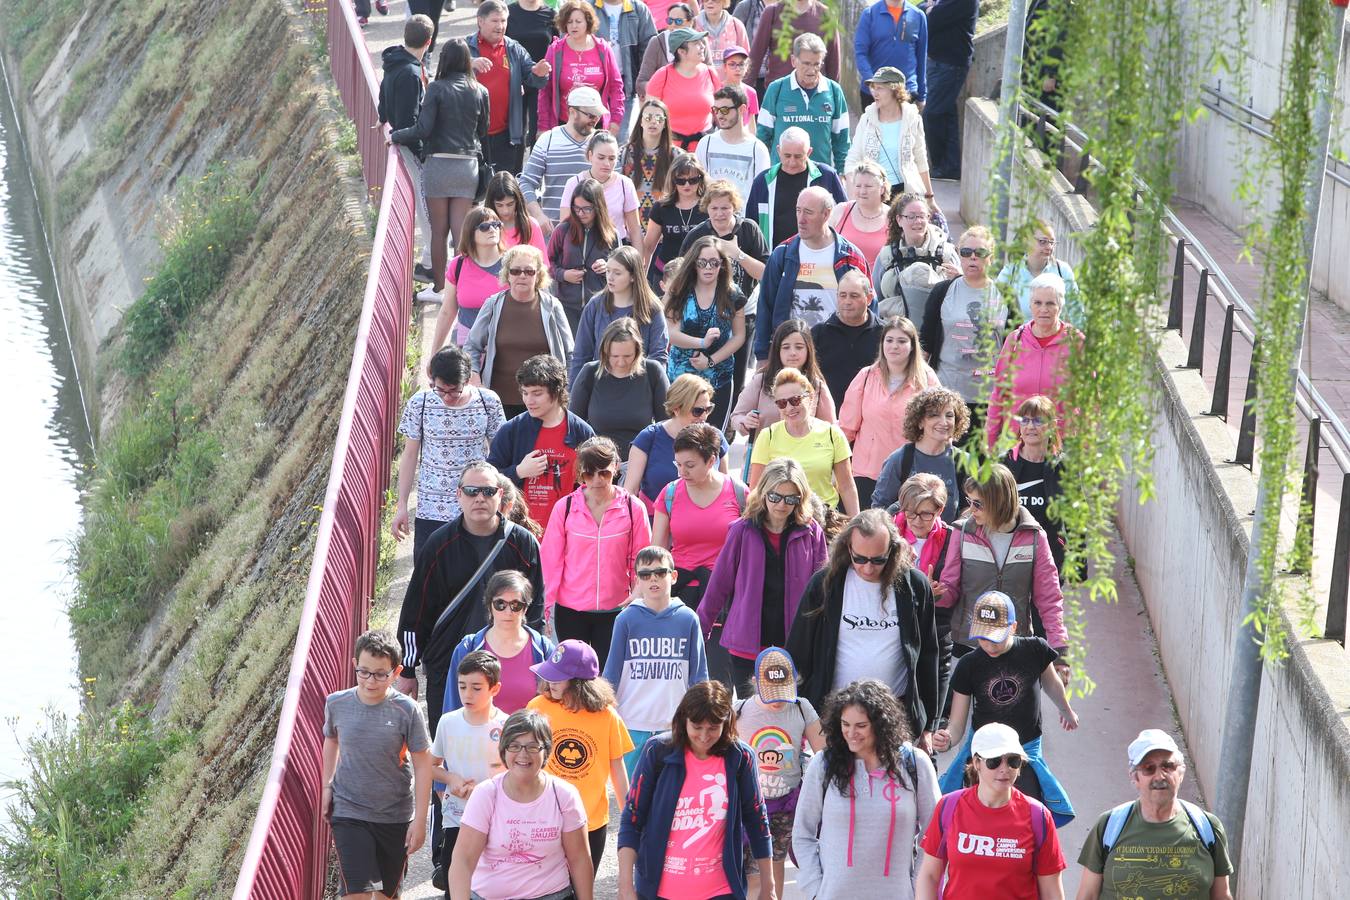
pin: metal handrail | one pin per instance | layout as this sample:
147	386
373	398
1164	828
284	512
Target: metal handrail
1223	102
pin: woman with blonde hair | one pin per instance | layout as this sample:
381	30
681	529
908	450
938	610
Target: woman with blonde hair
651	458
1036	464
819	446
623	391
890	132
862	220
884	390
769	555
626	295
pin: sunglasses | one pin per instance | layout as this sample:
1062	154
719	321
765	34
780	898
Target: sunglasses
980	252
473	490
518	271
794	401
1169	766
698	411
607	474
587	113
724	110
675	20
1013	760
1031	421
1045	242
869	560
789	499
735	64
697	179
708	263
649	574
654	118
489	226
515	606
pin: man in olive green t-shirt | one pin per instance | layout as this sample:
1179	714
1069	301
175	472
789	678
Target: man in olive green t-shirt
1157	846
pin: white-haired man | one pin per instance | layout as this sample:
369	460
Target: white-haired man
774	191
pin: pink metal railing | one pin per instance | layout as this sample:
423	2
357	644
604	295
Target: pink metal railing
287	853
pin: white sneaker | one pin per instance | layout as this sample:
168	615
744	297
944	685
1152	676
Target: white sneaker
428	295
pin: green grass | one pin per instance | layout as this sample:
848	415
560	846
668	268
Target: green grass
86	778
213	220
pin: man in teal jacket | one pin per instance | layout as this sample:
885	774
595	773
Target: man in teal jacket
808	100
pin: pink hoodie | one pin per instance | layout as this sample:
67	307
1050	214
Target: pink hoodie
589	567
1035	370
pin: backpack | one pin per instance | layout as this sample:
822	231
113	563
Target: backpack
736	487
1115	824
946	811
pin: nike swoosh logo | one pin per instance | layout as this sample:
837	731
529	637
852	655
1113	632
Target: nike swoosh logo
1023	486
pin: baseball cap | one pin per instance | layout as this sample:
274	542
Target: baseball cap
734	50
587	98
570	659
996	739
775	676
681	36
995	616
1151	739
887	75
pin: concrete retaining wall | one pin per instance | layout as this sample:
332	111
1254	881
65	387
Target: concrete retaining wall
1189	549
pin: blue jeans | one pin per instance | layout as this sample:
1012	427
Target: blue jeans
940	122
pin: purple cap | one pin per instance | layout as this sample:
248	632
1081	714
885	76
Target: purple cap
733	50
570	659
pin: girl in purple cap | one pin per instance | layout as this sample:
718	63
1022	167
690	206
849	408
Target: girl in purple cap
589	737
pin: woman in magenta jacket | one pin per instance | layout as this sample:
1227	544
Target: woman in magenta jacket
590	547
769	556
579	58
1035	357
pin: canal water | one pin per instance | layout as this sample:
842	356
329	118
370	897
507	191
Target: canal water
46	446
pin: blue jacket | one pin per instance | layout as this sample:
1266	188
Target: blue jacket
649	811
881	41
759	205
780	277
518	436
540	649
519	61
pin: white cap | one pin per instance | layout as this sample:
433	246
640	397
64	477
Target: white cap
994	740
1151	739
587	98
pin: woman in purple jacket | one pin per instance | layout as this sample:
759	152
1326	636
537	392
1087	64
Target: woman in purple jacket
770	554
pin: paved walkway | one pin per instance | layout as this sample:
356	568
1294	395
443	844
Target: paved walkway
1131	693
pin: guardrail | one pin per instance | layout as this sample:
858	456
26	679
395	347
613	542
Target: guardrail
287	853
1325	428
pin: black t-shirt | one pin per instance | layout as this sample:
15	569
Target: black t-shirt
773	611
751	241
786	189
1037	485
533	28
843	350
1003	689
676	224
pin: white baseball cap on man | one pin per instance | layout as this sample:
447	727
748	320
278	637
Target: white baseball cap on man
1151	739
586	98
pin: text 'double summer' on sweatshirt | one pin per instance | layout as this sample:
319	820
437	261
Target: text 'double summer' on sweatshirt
654	658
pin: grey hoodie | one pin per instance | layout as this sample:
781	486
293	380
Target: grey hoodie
861	845
653	659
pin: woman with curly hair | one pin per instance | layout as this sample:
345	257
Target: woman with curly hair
935	419
863	800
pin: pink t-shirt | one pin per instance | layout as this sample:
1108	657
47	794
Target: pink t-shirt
869	242
693	867
688	99
751	104
519	684
620	197
578	68
524	854
511	237
473	285
697	533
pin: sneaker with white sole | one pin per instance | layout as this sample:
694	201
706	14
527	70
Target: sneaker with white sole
428	295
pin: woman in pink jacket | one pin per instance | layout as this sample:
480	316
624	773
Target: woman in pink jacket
590	549
580	58
1035	357
1000	547
884	390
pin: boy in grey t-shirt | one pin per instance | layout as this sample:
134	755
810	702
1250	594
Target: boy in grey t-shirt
775	722
370	731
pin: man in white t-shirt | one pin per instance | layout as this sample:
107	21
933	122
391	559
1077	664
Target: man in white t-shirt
815	290
730	151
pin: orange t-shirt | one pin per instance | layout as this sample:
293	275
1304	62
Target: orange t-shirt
584	745
896	12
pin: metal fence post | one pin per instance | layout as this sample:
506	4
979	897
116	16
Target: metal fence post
1340	569
1195	357
1307	508
1246	446
1218	405
1174	309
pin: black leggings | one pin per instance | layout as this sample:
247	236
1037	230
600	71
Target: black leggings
595	628
596	839
743	671
721	406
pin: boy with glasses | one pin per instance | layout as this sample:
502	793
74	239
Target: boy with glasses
375	741
656	654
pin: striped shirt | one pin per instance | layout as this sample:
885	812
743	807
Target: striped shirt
555	158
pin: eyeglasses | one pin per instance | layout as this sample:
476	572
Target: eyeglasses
1045	242
784	402
976	503
583	210
1013	760
448	391
515	606
697	411
1031	421
676	20
789	499
921	516
980	252
649	574
473	490
869	560
1170	766
697	179
723	110
653	118
532	749
585	112
607	474
518	271
708	263
735	64
489	226
363	674
918	217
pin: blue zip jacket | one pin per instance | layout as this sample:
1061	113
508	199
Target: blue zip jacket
881	41
540	649
649	811
518	436
780	277
520	63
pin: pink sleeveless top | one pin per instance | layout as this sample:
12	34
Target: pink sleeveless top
869	242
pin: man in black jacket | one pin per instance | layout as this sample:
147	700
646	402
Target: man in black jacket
951	49
869	614
401	93
847	342
444	601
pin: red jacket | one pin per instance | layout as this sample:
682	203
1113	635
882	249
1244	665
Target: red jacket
934	549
